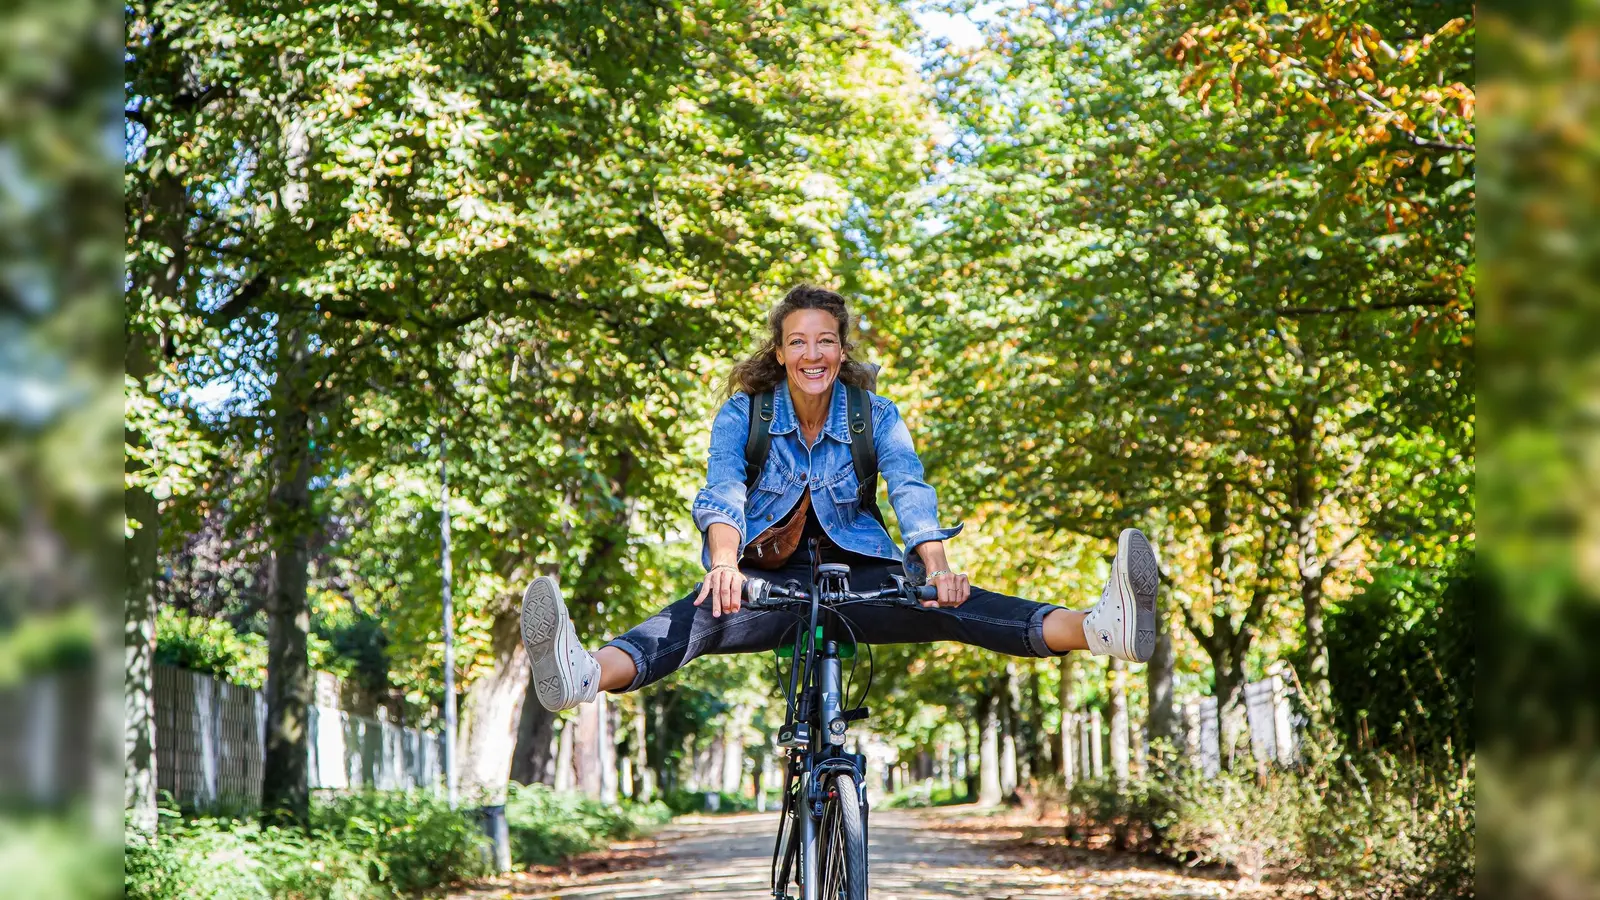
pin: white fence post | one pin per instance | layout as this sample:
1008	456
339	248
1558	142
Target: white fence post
1269	719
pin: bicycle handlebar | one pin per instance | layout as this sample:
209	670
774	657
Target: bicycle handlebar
762	594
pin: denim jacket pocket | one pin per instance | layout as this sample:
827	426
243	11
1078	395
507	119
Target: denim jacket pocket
769	491
845	492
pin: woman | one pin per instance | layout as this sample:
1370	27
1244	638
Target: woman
809	472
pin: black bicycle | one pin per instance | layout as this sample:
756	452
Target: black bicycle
822	839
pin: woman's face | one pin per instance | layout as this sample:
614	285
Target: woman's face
811	351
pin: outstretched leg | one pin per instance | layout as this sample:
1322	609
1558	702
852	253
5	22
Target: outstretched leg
565	675
1122	624
617	670
1063	630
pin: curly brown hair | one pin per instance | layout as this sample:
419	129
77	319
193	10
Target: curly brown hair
761	370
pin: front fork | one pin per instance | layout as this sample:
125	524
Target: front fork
822	758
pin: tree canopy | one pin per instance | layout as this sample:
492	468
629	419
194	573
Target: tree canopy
1202	268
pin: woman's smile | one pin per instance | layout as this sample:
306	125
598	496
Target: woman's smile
811	351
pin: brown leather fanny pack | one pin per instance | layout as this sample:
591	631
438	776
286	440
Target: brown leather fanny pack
773	547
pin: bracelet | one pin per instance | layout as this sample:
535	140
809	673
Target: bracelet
938	573
721	566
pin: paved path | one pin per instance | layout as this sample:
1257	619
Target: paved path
930	854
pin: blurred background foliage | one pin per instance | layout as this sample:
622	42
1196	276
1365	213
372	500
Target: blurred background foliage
1208	268
1540	771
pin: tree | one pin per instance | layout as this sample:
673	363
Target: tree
1211	320
388	203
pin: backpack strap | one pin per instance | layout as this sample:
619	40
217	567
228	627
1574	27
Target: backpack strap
759	439
863	452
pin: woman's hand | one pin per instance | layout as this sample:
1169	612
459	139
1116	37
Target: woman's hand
954	589
725	585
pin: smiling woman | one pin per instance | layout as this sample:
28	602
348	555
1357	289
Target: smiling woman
809	328
810	406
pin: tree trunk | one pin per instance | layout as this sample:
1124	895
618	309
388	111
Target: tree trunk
989	792
656	750
564	775
533	760
1312	581
969	779
168	205
490	715
1163	721
608	749
1064	761
1227	643
1008	733
285	771
1038	744
1230	694
644	786
588	735
1304	505
139	631
733	750
1117	682
1085	757
1097	731
1136	747
139	653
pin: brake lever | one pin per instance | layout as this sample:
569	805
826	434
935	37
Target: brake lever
914	594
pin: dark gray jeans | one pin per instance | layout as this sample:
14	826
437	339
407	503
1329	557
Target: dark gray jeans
672	637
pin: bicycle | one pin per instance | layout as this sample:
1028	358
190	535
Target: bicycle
822	837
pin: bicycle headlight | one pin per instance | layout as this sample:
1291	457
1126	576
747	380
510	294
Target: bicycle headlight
836	731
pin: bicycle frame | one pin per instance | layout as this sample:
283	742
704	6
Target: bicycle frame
816	749
815	720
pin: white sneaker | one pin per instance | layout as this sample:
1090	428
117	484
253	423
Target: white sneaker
564	674
1123	623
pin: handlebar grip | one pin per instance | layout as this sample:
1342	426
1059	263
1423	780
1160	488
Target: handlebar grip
927	592
755	589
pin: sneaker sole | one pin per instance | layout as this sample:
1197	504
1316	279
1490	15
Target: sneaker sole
544	619
1141	578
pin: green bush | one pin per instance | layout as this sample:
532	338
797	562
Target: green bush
547	827
683	803
218	859
1257	824
368	845
925	794
1385	828
417	842
41	644
211	646
1397	830
58	856
1136	812
1402	658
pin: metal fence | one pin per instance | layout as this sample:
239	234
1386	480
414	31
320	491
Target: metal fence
211	739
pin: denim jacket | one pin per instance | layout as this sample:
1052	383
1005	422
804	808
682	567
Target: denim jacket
827	469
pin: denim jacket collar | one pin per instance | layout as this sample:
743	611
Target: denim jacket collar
784	419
